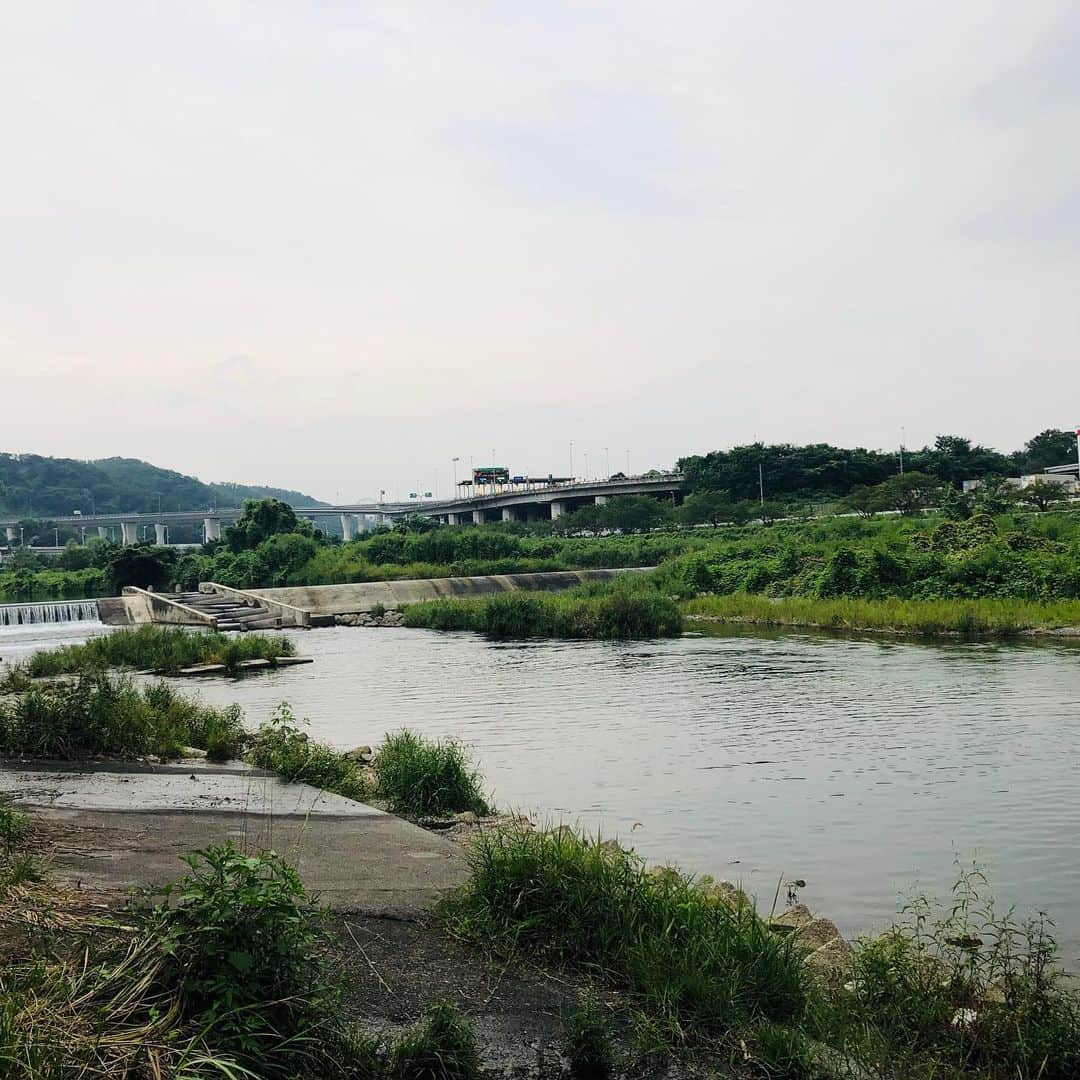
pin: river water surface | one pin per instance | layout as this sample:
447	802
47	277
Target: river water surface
865	767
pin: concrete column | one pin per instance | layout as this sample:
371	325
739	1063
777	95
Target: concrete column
558	508
212	528
130	532
159	535
509	513
453	519
601	499
103	532
478	517
11	534
348	526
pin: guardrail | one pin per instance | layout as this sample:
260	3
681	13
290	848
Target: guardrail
144	606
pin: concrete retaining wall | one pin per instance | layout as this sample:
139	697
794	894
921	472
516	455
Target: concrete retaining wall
147	607
363	596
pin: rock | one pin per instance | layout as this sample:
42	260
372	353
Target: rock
795	918
819	932
830	962
192	752
466	817
362	754
611	849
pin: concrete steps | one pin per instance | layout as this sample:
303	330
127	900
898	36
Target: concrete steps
230	615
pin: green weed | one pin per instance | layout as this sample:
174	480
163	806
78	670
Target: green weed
587	1040
420	777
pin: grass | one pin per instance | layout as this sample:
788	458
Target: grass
414	775
226	976
420	777
695	964
161	649
102	714
282	746
587	1040
975	617
623	609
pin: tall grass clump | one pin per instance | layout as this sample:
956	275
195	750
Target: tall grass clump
695	963
282	746
108	715
161	649
421	777
587	1040
956	990
621	609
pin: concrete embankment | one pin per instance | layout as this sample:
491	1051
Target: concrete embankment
363	596
115	826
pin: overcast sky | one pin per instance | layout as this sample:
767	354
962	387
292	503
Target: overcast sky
331	245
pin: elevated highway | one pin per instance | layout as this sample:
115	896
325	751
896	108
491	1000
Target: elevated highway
509	502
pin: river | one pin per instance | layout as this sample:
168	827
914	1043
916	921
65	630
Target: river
865	767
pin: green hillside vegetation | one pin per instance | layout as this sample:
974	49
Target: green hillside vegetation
35	487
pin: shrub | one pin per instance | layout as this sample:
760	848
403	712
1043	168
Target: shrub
102	714
443	1047
242	935
420	777
13	826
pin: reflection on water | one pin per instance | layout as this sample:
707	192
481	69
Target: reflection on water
864	766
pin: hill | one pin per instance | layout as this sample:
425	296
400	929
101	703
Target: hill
32	486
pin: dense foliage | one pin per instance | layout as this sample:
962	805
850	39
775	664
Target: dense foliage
34	486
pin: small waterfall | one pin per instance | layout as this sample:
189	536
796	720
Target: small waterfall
49	611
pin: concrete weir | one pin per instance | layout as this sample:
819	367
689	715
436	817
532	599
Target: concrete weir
363	596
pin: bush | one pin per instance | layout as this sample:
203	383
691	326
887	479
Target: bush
13	826
242	936
678	949
101	714
443	1047
421	777
957	991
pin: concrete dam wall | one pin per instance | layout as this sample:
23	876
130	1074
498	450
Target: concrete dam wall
363	596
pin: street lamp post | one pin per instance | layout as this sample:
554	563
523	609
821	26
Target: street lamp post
571	461
607	464
453	464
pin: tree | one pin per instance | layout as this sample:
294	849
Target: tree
908	493
706	508
866	501
261	520
76	556
993	496
1050	447
1042	494
142	565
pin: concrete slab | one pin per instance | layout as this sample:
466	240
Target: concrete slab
114	827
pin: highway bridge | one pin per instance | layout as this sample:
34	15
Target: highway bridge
507	502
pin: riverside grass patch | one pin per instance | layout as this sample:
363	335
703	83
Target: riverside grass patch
102	714
975	617
695	966
226	977
421	777
161	649
623	609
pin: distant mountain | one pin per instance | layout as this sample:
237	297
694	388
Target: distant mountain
32	486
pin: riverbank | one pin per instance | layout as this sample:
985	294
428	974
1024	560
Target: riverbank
973	618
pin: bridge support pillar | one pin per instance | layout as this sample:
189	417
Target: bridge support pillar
159	535
129	531
453	519
601	499
509	513
103	532
348	527
211	529
558	508
10	533
478	517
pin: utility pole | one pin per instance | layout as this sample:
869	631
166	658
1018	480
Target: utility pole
607	462
586	466
571	459
902	449
761	482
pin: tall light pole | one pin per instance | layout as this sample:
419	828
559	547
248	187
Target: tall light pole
761	482
571	459
453	464
627	462
607	463
902	450
586	466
